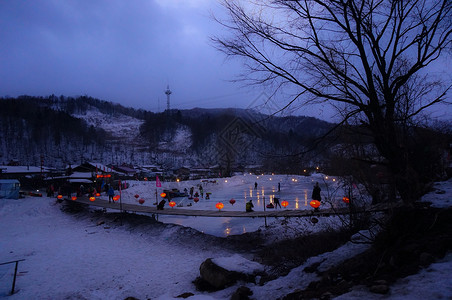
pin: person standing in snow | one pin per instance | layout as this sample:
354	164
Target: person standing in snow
316	192
255	185
276	200
111	193
249	206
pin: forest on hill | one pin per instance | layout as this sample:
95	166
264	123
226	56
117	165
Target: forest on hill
61	131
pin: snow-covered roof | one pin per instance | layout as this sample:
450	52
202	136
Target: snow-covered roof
78	180
101	167
8	181
22	169
125	169
85	175
150	167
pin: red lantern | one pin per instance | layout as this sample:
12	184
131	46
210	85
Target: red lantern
137	196
284	203
60	196
97	195
92	198
141	201
163	195
346	200
116	198
73	198
196	199
219	205
315	203
172	203
232	201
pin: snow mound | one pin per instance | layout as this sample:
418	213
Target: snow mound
238	263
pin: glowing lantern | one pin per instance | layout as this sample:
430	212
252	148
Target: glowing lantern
74	198
232	201
163	195
137	196
219	205
315	203
196	199
60	196
97	194
141	201
172	203
92	198
284	203
116	198
346	200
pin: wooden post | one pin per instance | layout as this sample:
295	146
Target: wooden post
14	279
120	200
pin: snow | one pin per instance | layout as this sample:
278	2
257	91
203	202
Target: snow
118	125
238	263
74	256
430	283
295	189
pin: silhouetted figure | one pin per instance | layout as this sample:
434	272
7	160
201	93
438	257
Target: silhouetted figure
276	201
316	192
161	204
249	206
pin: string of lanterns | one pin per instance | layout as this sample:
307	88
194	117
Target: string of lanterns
313	203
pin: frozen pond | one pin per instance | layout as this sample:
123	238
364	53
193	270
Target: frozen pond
296	190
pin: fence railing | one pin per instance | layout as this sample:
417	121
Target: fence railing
15	271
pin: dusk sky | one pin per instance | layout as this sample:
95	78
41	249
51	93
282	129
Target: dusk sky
126	52
120	51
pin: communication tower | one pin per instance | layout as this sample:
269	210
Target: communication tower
168	93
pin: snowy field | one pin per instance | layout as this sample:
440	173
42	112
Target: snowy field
72	256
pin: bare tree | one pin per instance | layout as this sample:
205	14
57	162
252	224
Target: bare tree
368	58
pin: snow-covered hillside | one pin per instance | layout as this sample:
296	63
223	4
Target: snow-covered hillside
118	125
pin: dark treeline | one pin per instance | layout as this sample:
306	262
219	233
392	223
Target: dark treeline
285	133
35	129
76	105
52	128
36	119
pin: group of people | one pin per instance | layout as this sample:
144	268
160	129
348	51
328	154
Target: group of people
196	194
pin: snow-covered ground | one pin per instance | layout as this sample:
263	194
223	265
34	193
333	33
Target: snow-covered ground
72	256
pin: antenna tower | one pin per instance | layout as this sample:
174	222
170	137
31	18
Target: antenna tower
168	93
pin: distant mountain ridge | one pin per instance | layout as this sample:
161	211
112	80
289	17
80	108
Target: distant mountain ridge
65	130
